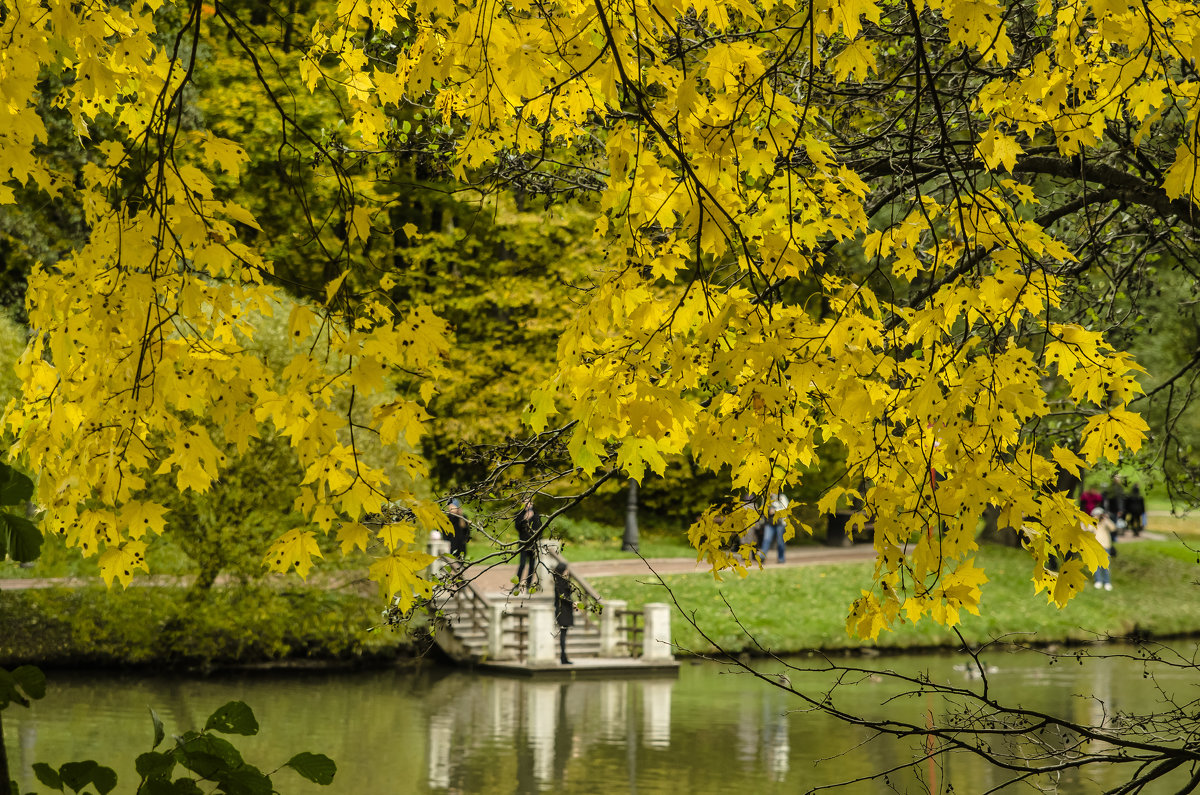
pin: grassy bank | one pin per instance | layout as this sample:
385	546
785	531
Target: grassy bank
174	627
798	609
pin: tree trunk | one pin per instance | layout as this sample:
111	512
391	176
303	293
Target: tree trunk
5	779
630	542
993	533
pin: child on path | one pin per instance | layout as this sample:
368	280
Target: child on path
1105	531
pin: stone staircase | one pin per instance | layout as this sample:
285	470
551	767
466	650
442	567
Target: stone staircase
464	620
473	626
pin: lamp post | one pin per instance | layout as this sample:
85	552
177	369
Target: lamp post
629	543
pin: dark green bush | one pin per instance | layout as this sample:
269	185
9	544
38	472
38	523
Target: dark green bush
180	628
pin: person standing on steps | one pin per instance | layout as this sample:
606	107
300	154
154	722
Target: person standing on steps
564	607
460	530
529	534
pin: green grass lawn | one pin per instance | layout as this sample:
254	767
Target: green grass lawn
648	547
792	610
583	539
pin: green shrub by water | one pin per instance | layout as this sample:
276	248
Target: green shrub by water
799	609
181	628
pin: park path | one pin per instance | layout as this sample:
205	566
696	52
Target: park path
492	578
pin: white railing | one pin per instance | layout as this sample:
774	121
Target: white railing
523	628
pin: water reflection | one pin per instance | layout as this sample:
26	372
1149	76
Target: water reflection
443	731
542	726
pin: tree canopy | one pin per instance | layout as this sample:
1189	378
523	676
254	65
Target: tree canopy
874	233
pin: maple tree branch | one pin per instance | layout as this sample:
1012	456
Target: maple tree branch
1124	185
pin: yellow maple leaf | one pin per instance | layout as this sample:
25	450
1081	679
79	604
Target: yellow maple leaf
194	477
1071	580
1068	460
397	534
854	62
138	518
324	516
296	548
119	563
1180	179
963	585
635	454
359	223
541	407
999	150
333	286
1105	434
866	619
300	322
431	516
228	155
240	214
397	574
914	608
353	535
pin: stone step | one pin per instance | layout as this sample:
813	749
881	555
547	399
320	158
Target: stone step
580	640
466	633
582	651
456	614
575	633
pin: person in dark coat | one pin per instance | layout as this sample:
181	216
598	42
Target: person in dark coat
1135	510
1114	502
460	530
564	607
529	533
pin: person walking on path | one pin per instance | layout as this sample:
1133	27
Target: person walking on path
564	607
529	533
774	526
1105	531
460	530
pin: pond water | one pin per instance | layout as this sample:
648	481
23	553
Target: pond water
438	730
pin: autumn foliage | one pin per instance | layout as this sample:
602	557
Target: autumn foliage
843	234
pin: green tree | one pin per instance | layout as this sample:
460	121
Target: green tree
230	528
507	282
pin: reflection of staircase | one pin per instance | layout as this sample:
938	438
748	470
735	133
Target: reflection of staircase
473	626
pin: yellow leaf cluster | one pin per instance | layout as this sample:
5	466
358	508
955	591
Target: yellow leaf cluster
144	362
726	323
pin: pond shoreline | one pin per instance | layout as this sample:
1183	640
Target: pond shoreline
268	628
